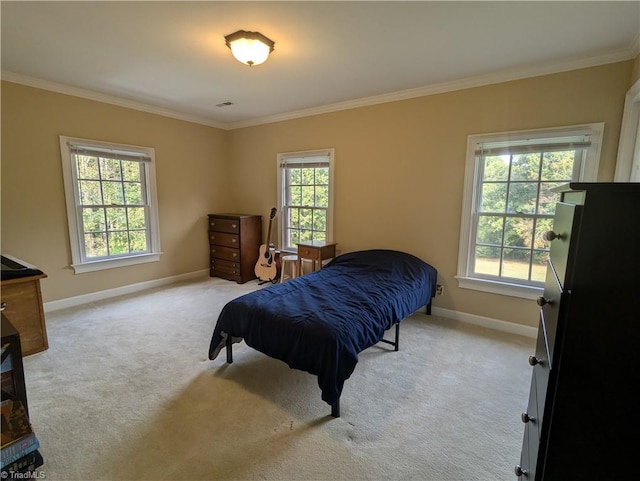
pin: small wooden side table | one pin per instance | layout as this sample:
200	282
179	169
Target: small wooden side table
316	252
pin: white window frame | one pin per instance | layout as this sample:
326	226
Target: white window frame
587	172
80	263
300	156
628	161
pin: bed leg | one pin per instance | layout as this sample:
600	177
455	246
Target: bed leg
335	409
429	308
229	343
397	343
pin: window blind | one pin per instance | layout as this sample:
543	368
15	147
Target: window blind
304	161
554	144
109	153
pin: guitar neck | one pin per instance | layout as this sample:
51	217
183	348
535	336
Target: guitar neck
269	233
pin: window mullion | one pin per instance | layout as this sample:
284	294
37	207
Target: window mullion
536	216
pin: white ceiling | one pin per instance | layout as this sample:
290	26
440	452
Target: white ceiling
171	57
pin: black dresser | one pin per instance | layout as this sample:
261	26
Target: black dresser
581	421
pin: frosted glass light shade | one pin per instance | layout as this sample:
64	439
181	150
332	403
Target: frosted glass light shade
250	48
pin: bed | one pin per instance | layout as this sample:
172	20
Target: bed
321	321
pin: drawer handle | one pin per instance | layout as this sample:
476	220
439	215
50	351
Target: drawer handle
234	226
520	471
541	301
235	254
533	360
550	235
527	419
233	241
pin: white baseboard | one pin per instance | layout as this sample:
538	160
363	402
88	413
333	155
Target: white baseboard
119	291
489	322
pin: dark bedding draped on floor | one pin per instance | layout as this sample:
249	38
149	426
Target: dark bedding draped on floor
321	321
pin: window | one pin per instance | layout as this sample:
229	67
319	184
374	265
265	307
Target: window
305	197
509	203
628	163
111	204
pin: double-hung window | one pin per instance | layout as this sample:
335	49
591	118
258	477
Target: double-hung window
509	203
305	198
111	204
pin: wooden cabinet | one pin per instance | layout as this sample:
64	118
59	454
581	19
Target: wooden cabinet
234	245
21	294
580	417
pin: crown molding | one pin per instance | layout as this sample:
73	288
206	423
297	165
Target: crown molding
443	87
107	99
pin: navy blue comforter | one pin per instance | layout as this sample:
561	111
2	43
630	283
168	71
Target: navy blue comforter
320	322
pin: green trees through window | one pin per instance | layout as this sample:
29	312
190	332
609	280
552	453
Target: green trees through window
112	199
516	206
307	201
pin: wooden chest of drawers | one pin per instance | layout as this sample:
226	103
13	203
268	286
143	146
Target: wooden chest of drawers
579	422
234	245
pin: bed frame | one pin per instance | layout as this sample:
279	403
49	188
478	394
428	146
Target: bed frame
335	407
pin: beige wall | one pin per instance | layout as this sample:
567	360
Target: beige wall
399	172
400	166
635	75
191	164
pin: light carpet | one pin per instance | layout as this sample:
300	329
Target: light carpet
126	392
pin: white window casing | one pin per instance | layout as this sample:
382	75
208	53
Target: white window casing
143	157
628	161
586	138
323	158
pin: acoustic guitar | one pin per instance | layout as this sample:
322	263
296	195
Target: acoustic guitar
267	266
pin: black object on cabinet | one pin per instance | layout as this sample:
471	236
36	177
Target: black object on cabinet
580	422
13	386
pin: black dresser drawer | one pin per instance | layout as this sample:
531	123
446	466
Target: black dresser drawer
541	368
534	414
550	309
531	440
560	254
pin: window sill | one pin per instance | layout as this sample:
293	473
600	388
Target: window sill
102	264
502	288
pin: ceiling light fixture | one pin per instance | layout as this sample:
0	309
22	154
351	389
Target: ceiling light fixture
250	48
